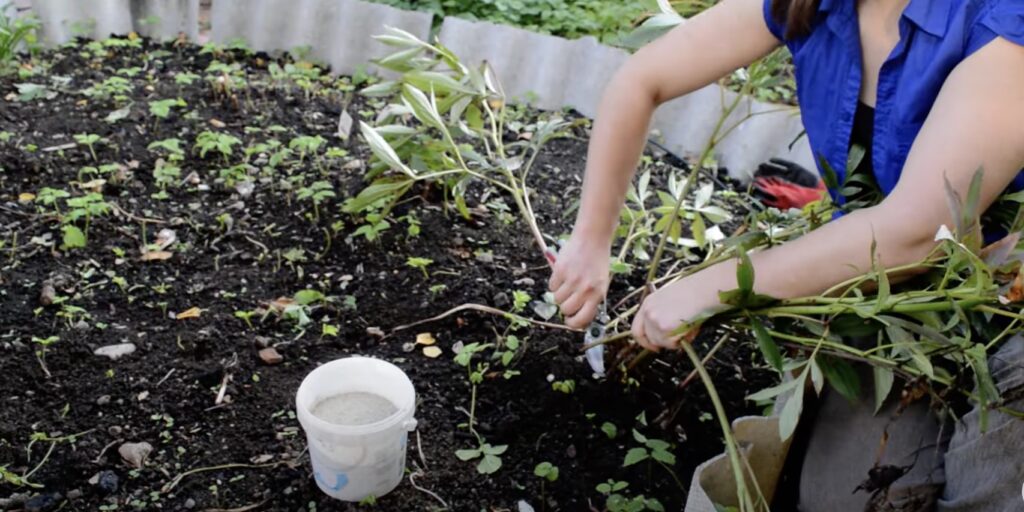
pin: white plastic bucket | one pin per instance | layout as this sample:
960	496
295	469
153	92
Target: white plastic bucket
353	462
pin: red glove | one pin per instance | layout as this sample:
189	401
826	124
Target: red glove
785	195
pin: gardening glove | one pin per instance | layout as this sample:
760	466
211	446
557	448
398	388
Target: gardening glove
784	184
579	279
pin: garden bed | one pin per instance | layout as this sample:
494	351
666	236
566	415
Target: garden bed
245	237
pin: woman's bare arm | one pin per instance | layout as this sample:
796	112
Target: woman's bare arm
698	52
975	123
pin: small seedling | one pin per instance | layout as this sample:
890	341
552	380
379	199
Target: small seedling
375	224
44	343
490	460
90	140
567	386
306	145
246	316
547	472
420	263
317	193
519	300
213	141
652	448
162	108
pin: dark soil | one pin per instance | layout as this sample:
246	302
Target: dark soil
165	392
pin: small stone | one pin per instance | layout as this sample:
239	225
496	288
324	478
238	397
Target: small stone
375	332
81	325
135	454
115	351
190	503
271	356
571	451
74	494
526	281
263	341
43	503
48	294
103	400
114	430
142	396
500	300
108	482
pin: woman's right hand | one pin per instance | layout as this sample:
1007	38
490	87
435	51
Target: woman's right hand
580	278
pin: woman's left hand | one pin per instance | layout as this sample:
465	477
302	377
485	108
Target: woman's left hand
661	315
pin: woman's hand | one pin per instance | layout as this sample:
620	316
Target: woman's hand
580	278
688	301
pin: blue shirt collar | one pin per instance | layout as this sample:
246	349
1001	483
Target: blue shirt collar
932	16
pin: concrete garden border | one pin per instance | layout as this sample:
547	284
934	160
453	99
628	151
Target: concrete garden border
551	72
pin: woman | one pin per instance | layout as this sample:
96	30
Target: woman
933	89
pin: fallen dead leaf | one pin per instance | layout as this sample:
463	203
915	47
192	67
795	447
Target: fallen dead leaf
217	123
189	313
95	185
425	338
279	304
432	352
165	238
375	331
26	197
156	256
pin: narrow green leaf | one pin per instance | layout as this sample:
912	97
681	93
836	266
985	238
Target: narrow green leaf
382	150
772	392
790	416
745	273
769	349
817	377
854	159
883	386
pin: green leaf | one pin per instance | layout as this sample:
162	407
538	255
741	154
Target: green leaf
769	349
609	430
985	387
494	450
664	456
73	237
854	159
488	465
921	361
307	297
841	376
883	385
640	438
383	151
772	392
465	455
817	377
790	416
829	175
380	189
635	455
745	274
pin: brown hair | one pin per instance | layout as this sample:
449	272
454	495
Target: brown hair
796	15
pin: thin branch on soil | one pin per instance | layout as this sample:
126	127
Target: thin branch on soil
105	448
419	449
169	486
165	377
246	508
121	211
412	480
483	309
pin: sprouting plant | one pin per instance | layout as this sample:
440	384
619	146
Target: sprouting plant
165	175
547	472
520	300
171	146
214	141
97	171
28	92
14	32
162	108
233	175
490	457
114	87
306	145
317	193
567	386
44	343
87	207
130	72
616	502
90	140
51	197
185	78
421	264
413	224
246	316
375	224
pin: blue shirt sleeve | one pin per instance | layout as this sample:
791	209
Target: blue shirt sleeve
777	29
1005	18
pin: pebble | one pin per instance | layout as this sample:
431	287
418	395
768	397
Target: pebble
48	294
270	355
500	300
190	503
108	482
263	341
81	325
114	430
74	494
103	400
135	453
526	281
43	503
115	351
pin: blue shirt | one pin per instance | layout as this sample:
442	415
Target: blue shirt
935	36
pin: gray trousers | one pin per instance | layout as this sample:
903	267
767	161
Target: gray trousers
951	466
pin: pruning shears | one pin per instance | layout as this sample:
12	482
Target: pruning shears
595	331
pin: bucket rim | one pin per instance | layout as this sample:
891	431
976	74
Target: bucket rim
309	421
